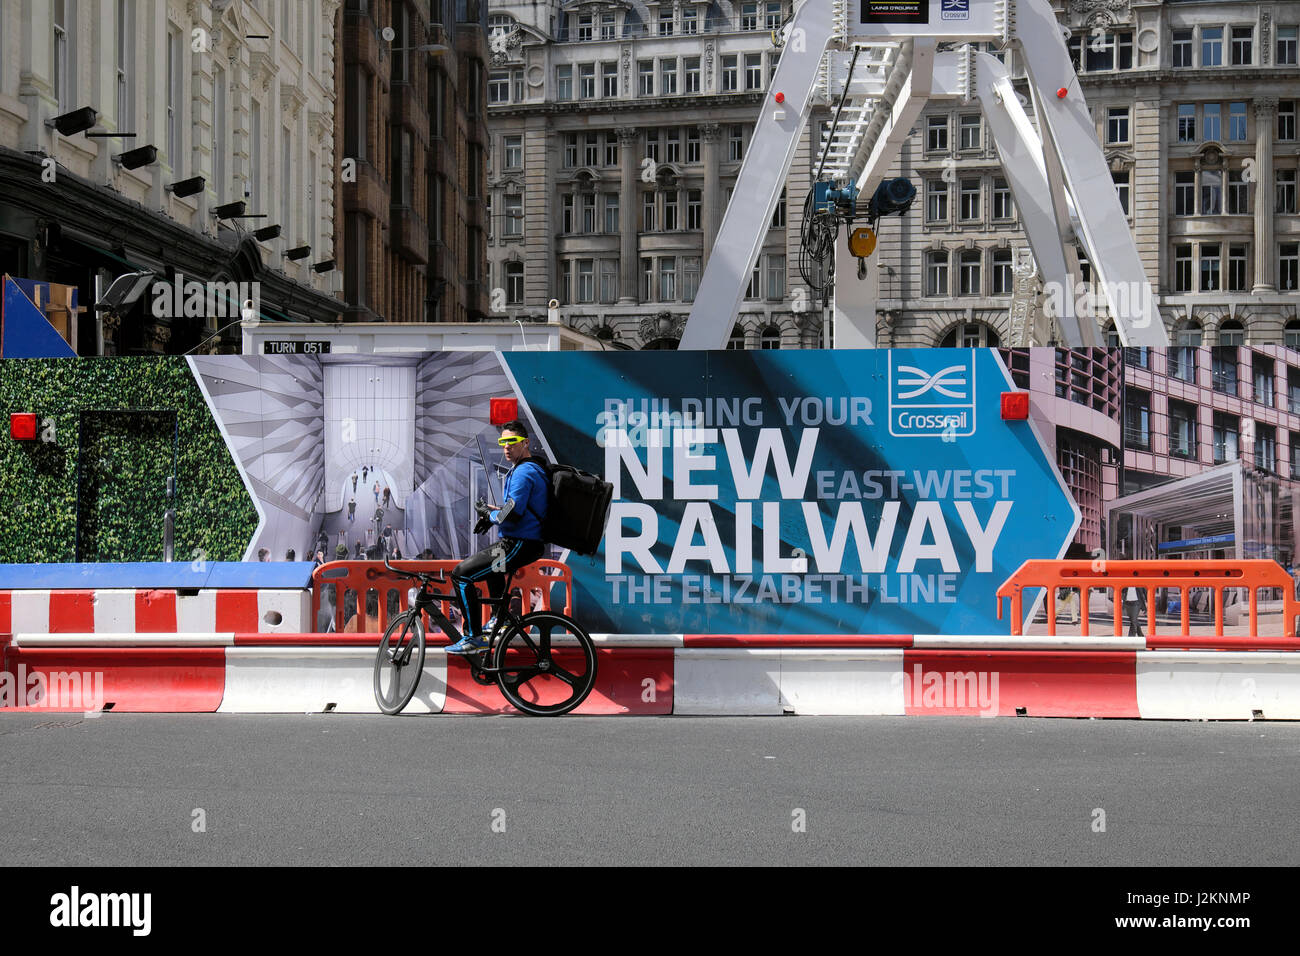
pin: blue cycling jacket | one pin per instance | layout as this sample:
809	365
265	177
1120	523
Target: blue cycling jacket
529	486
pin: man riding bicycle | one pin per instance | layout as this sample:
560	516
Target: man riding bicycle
526	497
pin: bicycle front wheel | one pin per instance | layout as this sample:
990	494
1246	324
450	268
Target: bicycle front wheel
399	663
546	664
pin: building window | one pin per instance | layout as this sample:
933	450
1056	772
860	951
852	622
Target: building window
1212	46
1182	429
354	262
611	149
1185	193
591	149
1237	267
1002	272
255	155
1137	419
608	280
1286	120
1182	358
1236	122
609	80
671	223
666	21
1232	334
1286	46
514	151
1186	123
753	71
969	272
1262	369
586	28
647	280
608	27
693	145
1238	193
611	213
1286	192
566	213
498	88
969	130
1121	179
589	213
1225	437
970	199
737	341
1210	278
778	215
175	64
690	21
514	283
936	137
1266	447
648	212
730	73
770	338
1243	41
749	16
1117	124
645	73
673	145
668	77
691	72
219	142
736	144
936	272
1287	267
667	278
1137	356
694	207
564	82
586	280
1223	367
1110	51
971	335
64	75
936	201
587	80
1212	125
1182	48
126	85
1211	192
690	277
1183	268
776	277
566	282
1003	208
570	150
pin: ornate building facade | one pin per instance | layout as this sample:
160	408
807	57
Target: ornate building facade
618	129
196	105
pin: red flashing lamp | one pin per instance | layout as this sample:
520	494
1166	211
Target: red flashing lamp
1015	406
22	426
503	410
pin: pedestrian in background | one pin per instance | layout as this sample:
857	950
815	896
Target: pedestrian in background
354	482
387	496
376	494
352	510
1135	602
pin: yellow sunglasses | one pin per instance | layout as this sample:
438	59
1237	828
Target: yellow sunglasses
506	440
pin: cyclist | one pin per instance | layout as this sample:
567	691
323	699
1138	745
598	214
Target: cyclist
526	494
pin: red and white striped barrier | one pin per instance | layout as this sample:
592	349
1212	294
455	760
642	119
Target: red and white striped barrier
141	611
234	672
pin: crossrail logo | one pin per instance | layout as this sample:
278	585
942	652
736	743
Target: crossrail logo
955	10
932	397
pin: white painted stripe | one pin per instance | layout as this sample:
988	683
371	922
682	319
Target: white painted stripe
733	680
129	639
849	681
286	680
1190	685
1004	642
196	612
291	608
638	640
114	610
29	611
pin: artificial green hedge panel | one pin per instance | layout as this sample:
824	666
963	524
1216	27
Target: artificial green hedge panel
126	418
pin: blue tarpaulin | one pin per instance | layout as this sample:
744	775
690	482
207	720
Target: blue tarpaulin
24	330
157	574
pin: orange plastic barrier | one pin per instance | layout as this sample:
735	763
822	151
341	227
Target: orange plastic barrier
357	578
1149	575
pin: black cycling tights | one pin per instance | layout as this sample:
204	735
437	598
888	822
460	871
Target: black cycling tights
491	565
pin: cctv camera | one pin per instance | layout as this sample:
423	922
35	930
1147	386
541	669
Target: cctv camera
247	312
389	34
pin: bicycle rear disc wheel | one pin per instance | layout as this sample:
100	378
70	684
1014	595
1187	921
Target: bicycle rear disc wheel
399	663
546	664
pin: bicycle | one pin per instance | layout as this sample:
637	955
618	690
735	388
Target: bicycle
522	649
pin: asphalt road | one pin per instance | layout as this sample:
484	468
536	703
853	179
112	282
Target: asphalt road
335	789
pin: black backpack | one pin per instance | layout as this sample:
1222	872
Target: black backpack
577	507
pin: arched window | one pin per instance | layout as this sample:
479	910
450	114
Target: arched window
1112	336
737	341
605	333
770	338
1231	332
1291	335
665	344
970	335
